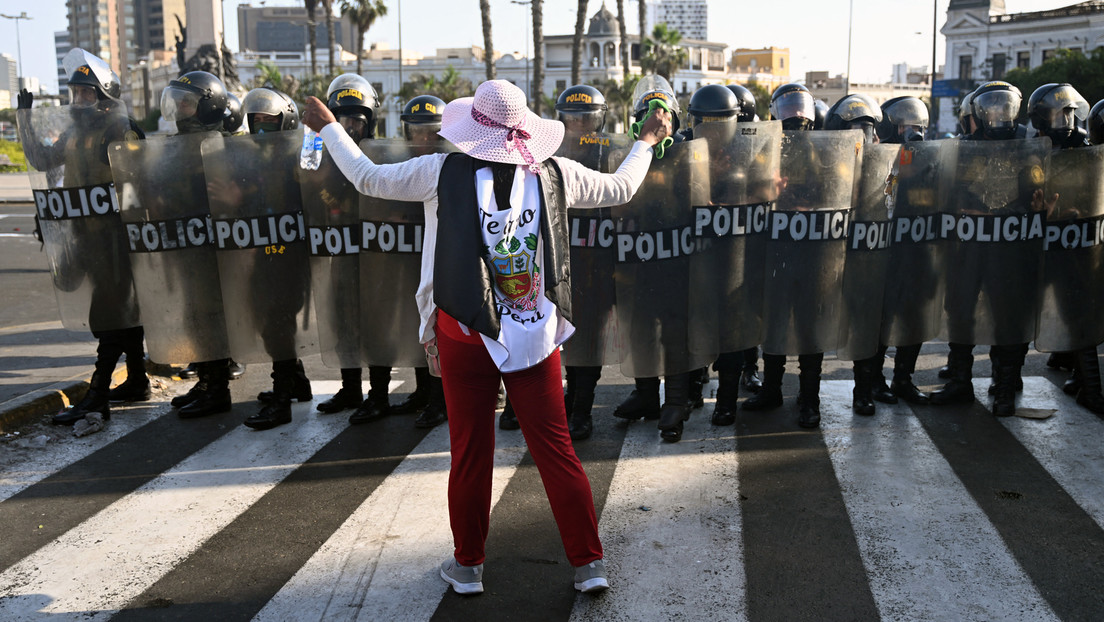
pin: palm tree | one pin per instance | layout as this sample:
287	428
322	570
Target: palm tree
577	42
327	6
662	53
448	87
538	56
488	45
624	38
619	99
364	13
312	6
642	15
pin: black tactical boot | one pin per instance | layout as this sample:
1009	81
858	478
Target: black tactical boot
769	396
136	387
236	369
879	390
1088	367
350	395
676	407
300	384
215	398
960	389
199	388
749	378
698	380
809	390
95	401
580	425
435	412
1004	393
508	419
376	406
277	411
642	402
728	388
862	399
1062	360
188	372
417	401
904	364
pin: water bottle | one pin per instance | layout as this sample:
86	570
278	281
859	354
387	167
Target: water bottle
311	155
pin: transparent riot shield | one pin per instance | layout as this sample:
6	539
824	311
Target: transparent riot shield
868	242
744	175
593	257
1072	292
664	327
995	232
78	212
807	238
331	210
163	200
912	304
261	242
390	266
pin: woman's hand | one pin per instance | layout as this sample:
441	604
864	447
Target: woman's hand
656	127
317	115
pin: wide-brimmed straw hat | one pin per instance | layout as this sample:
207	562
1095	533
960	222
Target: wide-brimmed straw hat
496	125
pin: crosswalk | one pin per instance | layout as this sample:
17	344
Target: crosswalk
917	513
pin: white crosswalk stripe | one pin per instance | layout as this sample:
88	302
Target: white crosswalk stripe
671	523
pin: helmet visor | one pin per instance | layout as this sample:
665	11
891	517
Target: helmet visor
1064	104
793	104
82	96
178	104
858	106
997	108
908	112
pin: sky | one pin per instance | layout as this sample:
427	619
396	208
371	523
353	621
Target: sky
885	32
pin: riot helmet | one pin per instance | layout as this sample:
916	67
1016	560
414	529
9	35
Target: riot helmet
196	102
1055	110
351	98
965	115
1096	123
820	114
855	112
904	119
995	106
93	86
267	110
793	105
651	87
582	108
233	119
746	102
713	102
421	118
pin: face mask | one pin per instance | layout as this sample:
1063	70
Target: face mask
261	128
797	123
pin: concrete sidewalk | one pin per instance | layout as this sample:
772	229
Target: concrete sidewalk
15	188
43	369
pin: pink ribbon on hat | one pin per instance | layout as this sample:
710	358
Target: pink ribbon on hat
515	137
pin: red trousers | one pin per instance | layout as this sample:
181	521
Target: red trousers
470	381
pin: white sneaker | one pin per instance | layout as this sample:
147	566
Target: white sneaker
591	577
463	579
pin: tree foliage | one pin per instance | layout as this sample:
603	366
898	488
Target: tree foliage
448	87
363	13
1085	73
662	53
762	99
619	99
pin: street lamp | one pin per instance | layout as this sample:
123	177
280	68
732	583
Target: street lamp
18	44
528	94
850	22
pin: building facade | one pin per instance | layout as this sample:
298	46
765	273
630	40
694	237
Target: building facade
9	80
104	28
156	25
284	29
689	17
984	42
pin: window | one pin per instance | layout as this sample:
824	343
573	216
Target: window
965	67
1047	55
561	85
781	63
378	88
999	62
1023	60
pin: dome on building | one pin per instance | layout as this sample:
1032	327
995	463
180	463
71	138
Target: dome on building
603	23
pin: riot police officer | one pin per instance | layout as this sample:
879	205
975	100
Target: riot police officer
98	119
794	106
1096	123
197	102
746	103
231	124
421	120
1056	111
993	110
820	114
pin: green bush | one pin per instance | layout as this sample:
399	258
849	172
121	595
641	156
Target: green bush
14	151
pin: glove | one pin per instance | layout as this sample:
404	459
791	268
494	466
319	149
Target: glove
24	99
634	129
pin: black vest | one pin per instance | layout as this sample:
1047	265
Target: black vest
462	283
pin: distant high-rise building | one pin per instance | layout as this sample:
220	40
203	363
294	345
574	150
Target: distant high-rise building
61	48
104	28
284	29
9	80
155	25
689	17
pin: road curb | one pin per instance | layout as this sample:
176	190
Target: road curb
46	401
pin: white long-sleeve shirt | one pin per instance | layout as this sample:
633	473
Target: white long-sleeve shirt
417	179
